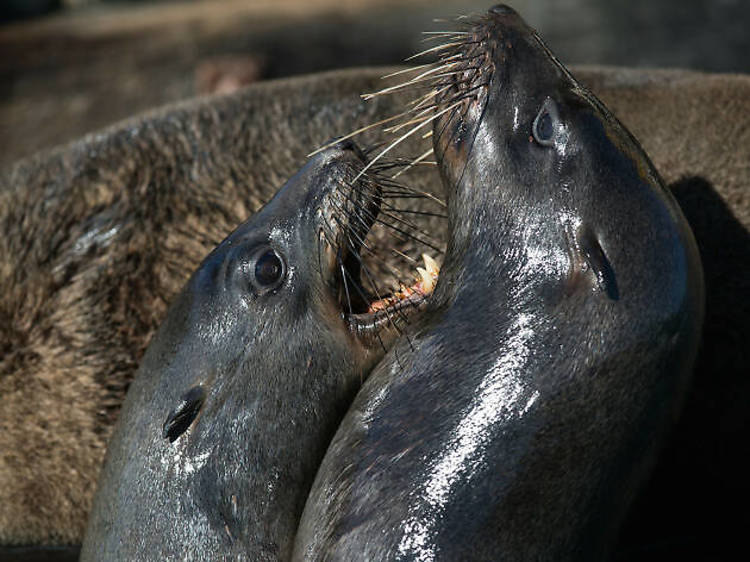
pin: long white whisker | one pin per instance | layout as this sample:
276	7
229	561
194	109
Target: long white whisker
445	33
403	138
417	118
426	75
412	164
433	49
358	131
432	94
410	69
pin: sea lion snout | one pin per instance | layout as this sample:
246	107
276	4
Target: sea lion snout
347	145
503	10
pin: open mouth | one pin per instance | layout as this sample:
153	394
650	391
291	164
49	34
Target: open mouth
454	84
381	225
397	306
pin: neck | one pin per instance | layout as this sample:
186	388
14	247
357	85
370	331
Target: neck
507	253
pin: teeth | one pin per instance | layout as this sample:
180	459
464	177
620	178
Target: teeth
428	274
431	265
425	283
427	280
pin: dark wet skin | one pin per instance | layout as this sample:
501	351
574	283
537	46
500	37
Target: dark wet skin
243	386
533	395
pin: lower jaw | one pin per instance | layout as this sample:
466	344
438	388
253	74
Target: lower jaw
395	312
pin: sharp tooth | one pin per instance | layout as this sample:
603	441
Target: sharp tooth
431	265
427	280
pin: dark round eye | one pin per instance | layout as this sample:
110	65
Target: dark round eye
269	269
543	128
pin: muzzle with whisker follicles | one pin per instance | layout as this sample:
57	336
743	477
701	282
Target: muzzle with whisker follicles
444	87
451	81
383	241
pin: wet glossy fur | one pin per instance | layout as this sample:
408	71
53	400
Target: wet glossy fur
97	237
529	405
240	390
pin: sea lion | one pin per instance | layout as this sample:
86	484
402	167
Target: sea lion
98	236
532	396
246	380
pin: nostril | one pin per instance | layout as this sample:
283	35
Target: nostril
351	146
503	10
346	144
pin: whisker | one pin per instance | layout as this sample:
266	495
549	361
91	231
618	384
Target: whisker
346	285
445	33
421	116
432	94
391	215
362	242
417	195
433	49
407	70
422	77
422	213
365	297
403	255
414	162
358	131
403	138
408	235
386	310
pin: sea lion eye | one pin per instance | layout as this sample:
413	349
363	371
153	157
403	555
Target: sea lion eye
269	269
545	124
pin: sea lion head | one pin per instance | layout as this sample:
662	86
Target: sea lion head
550	175
288	275
564	232
245	381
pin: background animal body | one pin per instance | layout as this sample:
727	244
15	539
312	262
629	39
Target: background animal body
87	67
98	236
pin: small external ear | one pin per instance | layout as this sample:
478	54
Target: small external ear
594	256
184	413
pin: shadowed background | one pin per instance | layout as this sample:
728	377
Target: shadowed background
84	64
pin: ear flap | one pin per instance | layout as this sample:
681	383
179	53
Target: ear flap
184	413
594	256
